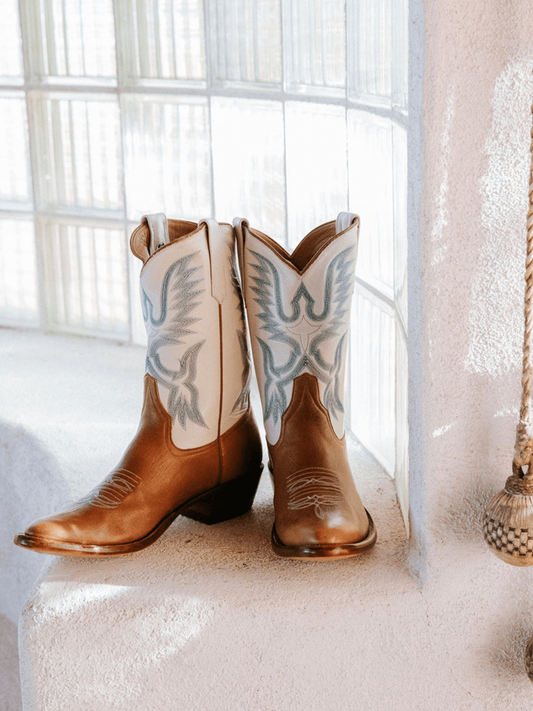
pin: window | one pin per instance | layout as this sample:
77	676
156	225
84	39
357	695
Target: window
283	111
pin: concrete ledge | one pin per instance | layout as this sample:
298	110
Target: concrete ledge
208	618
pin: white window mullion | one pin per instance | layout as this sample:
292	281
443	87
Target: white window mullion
35	281
81	37
51	60
143	37
132	295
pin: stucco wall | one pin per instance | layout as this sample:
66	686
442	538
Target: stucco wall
468	217
471	91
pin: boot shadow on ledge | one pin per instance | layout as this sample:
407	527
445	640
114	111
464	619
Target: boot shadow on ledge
9	666
31	483
22	493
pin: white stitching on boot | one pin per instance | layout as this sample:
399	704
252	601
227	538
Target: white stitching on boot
112	492
314	486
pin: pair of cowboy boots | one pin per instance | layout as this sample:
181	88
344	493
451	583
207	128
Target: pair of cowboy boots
197	452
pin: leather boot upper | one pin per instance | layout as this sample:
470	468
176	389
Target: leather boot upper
197	432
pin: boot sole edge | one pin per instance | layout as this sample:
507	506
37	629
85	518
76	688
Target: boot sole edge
325	552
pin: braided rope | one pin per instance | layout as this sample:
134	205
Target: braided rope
524	430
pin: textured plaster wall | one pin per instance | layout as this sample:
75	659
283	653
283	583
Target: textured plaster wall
467	253
477	92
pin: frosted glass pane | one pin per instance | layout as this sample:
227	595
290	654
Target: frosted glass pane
168	164
245	41
399	140
371	196
70	38
369	51
15	184
18	273
372	379
78	153
11	67
248	162
316	166
162	40
315	46
86	274
402	428
400	53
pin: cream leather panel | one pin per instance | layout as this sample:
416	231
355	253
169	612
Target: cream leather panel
197	348
182	324
299	322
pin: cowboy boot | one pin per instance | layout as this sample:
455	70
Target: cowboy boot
298	308
197	451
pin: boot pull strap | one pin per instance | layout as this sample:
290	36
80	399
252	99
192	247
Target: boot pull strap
345	220
239	223
218	257
158	226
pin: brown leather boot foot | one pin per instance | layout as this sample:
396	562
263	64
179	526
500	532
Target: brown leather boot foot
197	452
154	484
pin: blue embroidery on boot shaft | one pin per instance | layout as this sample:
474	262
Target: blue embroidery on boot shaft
178	285
302	330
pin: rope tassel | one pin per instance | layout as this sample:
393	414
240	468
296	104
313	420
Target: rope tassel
508	524
524	444
524	430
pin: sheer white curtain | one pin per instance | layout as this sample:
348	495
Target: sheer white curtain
283	111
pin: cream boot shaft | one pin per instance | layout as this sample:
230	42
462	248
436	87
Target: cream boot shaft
193	312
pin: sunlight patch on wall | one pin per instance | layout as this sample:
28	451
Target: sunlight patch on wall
442	430
496	316
507	412
441	217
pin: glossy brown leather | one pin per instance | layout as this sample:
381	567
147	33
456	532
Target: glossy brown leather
153	479
315	499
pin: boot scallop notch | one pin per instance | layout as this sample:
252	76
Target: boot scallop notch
197	451
298	308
